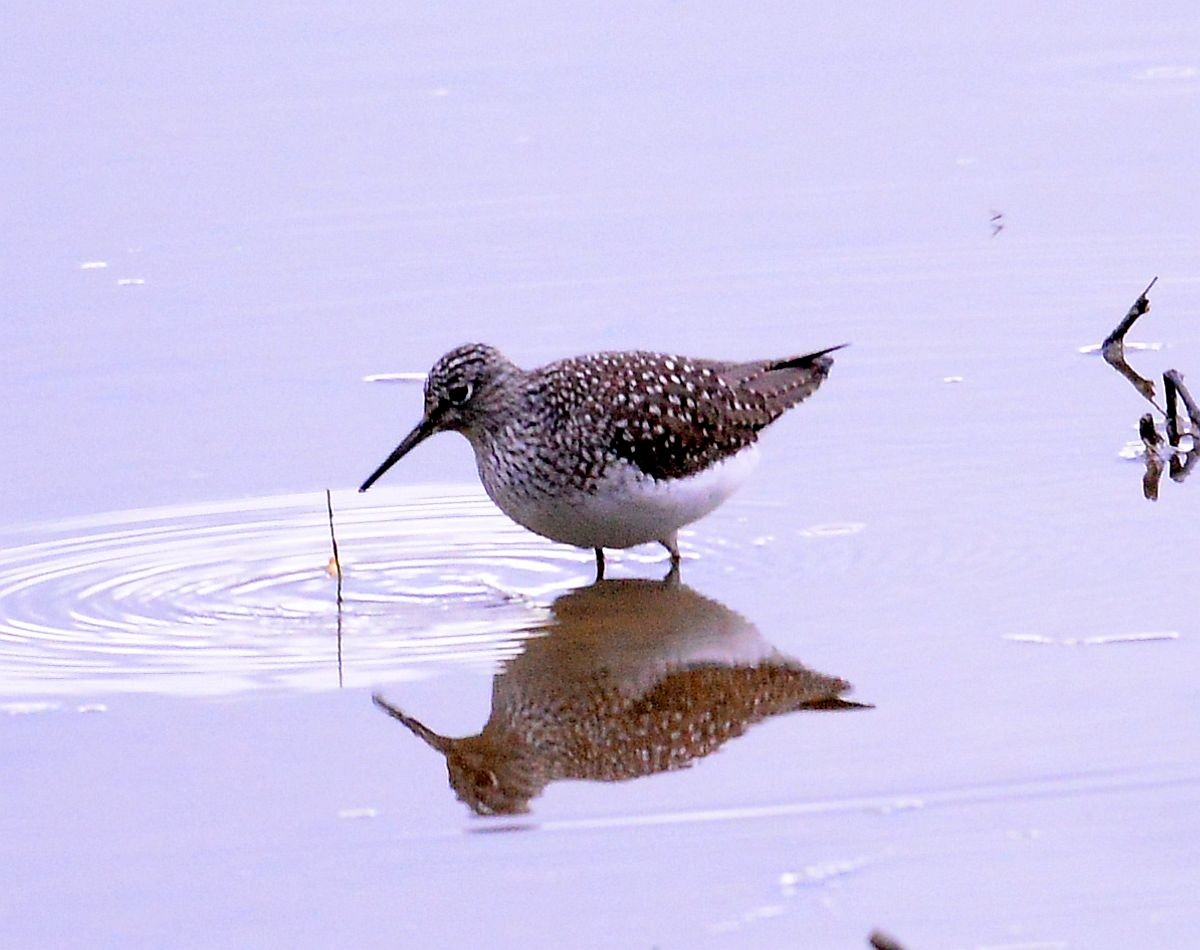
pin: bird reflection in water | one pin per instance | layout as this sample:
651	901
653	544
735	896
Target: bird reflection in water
630	678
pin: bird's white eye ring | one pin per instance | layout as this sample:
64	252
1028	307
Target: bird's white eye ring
458	395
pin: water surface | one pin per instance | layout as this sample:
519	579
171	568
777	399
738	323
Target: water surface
220	222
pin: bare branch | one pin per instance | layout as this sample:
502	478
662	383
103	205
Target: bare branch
1113	348
1172	409
1175	379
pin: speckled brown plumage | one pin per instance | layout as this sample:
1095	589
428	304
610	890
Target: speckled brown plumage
599	733
608	693
609	449
669	415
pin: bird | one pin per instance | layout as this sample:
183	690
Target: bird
609	449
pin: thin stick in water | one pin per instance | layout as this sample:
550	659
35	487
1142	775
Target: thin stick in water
336	563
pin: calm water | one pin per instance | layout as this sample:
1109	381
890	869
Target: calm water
930	671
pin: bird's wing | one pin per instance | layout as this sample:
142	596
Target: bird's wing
671	416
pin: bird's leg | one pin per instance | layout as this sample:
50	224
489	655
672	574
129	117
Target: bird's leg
599	564
672	546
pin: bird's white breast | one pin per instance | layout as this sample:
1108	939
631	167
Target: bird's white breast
626	506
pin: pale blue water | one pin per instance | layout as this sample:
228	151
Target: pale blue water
288	201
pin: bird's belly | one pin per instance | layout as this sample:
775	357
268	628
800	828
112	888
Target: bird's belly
625	507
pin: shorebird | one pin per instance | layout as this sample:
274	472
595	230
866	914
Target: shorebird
609	450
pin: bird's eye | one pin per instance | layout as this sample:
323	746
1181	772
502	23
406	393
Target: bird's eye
459	394
485	778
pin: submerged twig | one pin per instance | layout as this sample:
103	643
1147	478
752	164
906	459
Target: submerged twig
1182	465
1151	440
882	941
1113	348
1181	459
1172	410
1175	378
1116	339
1149	433
335	564
1177	393
1182	462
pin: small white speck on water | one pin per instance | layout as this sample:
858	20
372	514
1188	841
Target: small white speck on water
762	912
395	378
952	379
1100	640
1093	348
833	530
28	708
811	874
1169	72
130	281
901	804
93	265
763	540
352	814
92	708
1016	834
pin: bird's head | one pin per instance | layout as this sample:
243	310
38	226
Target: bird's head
459	391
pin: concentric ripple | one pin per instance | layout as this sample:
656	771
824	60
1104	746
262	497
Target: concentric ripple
223	597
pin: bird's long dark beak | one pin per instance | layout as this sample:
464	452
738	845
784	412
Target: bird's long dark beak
442	743
425	428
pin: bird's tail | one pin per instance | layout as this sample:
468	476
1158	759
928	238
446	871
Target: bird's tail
782	383
808	361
